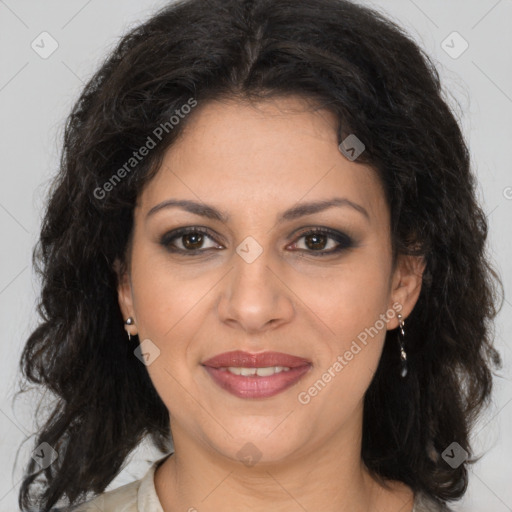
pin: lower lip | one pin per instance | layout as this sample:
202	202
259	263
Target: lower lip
254	386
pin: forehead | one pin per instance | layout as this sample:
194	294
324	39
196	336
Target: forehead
262	157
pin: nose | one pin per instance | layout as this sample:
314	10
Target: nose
254	298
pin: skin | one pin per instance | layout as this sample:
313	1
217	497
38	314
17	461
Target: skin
252	162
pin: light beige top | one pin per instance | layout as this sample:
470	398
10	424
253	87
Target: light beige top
141	496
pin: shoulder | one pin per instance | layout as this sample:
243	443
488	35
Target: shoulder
137	496
122	499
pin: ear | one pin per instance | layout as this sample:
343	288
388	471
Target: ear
406	285
124	295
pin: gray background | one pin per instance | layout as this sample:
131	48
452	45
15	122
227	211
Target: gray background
36	94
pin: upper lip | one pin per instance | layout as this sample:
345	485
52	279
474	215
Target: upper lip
239	358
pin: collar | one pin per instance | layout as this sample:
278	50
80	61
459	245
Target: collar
147	498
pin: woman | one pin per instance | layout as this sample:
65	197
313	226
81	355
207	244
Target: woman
264	251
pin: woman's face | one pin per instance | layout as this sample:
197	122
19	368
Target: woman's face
272	268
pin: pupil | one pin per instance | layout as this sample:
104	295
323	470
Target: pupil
192	240
317	241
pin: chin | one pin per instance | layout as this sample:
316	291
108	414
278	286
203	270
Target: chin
259	442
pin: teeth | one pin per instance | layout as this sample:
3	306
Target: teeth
260	372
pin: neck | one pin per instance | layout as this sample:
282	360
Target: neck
329	477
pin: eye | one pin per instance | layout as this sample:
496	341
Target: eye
191	240
194	240
323	241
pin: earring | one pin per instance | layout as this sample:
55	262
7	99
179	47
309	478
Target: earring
403	355
129	321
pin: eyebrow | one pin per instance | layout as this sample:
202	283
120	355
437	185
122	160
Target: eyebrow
295	212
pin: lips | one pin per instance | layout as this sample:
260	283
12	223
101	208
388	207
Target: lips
255	386
242	359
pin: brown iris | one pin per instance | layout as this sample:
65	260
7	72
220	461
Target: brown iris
315	241
192	240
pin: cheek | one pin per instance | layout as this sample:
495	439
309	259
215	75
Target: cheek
345	298
347	304
168	309
348	352
164	294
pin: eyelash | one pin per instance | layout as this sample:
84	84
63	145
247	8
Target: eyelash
344	241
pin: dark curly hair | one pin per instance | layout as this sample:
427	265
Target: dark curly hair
381	86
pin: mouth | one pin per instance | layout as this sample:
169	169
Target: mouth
260	375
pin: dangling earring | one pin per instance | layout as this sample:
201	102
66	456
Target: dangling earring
129	321
403	355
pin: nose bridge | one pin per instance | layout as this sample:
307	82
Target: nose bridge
253	297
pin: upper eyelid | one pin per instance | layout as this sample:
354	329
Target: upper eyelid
177	233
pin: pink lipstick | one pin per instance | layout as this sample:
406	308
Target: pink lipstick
260	375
